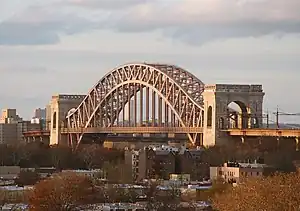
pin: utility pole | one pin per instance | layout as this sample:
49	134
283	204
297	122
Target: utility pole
267	118
277	118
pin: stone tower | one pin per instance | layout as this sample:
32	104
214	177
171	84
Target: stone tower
218	116
60	105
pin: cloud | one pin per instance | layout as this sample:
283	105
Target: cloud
105	4
39	25
198	21
191	21
23	70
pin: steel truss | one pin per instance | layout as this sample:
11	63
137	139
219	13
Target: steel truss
178	92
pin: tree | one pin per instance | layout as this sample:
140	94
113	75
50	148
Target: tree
162	200
92	155
3	197
27	178
118	173
116	194
278	192
169	199
60	156
63	192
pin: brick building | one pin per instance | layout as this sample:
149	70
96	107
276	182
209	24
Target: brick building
156	163
190	162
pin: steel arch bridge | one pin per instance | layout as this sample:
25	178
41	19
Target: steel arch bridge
156	98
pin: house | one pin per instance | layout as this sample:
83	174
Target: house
234	172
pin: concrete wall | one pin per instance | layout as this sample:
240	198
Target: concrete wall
9	172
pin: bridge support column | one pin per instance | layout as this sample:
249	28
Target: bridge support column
297	143
243	139
260	140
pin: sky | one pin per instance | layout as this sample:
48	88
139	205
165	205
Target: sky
66	46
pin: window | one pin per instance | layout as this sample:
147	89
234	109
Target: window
209	116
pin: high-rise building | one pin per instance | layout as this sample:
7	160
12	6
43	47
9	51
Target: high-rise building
8	133
40	117
40	113
12	127
9	116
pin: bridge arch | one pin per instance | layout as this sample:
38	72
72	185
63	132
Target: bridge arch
179	89
238	113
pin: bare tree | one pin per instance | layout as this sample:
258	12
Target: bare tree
3	197
118	172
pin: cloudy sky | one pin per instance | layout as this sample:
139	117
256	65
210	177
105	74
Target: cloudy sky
66	46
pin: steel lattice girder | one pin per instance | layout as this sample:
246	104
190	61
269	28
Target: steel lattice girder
180	90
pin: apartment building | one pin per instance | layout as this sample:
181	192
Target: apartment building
234	172
8	133
132	160
12	127
156	163
159	161
191	163
9	116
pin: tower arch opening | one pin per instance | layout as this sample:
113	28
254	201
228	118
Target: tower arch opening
54	120
209	116
237	114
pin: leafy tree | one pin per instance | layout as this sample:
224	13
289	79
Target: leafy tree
63	192
278	192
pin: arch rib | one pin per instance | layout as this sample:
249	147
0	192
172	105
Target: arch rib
179	92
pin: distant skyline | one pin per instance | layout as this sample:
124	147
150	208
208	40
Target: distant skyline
66	46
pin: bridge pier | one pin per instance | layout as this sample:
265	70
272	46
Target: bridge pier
260	140
60	106
217	98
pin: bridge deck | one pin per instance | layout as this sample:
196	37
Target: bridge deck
265	132
36	133
128	130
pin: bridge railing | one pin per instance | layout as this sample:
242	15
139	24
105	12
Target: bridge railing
284	132
133	130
